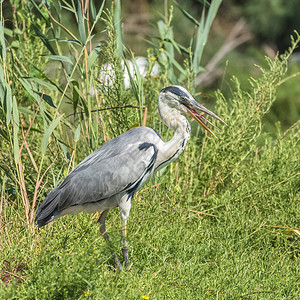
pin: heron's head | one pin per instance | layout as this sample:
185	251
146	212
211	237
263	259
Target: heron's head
179	98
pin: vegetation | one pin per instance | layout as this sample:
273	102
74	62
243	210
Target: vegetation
283	12
221	222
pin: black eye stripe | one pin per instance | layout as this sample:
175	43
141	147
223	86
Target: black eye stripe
175	90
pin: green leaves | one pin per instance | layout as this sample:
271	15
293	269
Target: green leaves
81	26
2	41
203	31
43	38
77	133
8	102
47	98
48	133
60	58
5	96
188	15
75	95
92	57
93	8
197	43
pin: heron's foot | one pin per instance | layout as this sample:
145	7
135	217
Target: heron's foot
117	262
126	257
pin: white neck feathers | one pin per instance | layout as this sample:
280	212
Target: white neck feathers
177	122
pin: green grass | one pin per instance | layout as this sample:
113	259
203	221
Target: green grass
222	222
176	252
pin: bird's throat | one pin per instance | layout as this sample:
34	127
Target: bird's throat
173	148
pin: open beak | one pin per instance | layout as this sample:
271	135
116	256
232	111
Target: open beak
192	105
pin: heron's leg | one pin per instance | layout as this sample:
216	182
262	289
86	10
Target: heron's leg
124	206
105	235
124	244
101	221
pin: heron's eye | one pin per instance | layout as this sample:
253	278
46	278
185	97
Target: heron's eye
184	100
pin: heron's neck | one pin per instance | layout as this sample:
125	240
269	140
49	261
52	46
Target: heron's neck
173	148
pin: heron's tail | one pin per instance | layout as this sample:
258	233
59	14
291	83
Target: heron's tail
47	211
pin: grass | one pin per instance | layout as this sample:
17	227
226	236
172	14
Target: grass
222	222
237	251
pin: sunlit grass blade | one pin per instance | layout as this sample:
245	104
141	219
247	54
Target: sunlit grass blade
118	28
16	130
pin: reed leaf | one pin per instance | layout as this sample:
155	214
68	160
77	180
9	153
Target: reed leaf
203	31
188	15
39	81
2	41
81	26
77	133
46	98
92	57
48	133
60	58
8	103
44	39
118	29
93	9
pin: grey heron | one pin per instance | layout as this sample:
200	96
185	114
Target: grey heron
111	175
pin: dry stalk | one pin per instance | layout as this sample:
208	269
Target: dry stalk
200	212
70	162
36	189
21	181
145	116
23	189
30	125
1	203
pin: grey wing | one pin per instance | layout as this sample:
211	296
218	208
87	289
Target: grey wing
109	176
118	166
